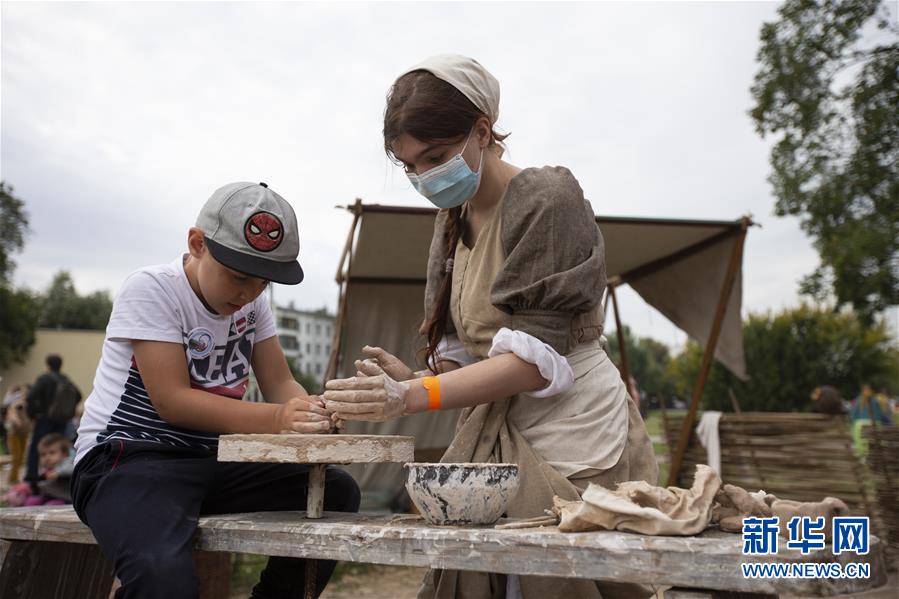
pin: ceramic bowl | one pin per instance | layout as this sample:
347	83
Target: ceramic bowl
448	494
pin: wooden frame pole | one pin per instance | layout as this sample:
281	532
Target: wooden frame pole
736	258
345	259
625	369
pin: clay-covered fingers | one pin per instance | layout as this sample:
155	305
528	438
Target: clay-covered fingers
377	353
314	404
301	416
361	396
370	417
344	408
392	365
357	382
316	400
359	411
337	422
367	367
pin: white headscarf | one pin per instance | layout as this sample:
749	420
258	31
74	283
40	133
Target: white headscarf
468	76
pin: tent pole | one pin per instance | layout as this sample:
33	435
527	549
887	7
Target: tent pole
625	370
605	305
342	284
683	440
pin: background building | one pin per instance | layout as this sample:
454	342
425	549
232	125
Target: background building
305	338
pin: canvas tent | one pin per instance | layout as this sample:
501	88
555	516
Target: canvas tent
689	270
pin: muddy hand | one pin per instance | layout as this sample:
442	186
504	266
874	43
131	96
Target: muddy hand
393	366
374	396
302	415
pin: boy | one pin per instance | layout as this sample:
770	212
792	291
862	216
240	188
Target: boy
179	346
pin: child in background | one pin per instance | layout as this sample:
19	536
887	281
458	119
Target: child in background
57	463
175	364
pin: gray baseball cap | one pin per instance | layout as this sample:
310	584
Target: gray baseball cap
253	230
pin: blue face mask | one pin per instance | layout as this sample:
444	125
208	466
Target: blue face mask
450	184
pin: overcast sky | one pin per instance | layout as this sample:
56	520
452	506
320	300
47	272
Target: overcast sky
119	120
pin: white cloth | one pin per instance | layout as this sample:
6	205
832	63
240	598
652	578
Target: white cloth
468	76
553	367
707	432
157	303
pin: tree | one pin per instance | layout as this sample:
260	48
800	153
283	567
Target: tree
18	308
63	308
19	313
13	228
831	96
791	353
308	381
647	360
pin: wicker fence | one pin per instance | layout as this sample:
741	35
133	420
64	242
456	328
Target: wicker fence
883	465
804	457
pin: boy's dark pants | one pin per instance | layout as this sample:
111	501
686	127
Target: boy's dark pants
142	501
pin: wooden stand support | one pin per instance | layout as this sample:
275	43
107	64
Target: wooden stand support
315	496
318	451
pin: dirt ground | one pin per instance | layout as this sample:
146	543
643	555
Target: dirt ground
360	581
376	582
350	581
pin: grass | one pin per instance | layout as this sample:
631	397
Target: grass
245	570
654	427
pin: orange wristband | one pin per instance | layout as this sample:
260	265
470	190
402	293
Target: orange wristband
432	384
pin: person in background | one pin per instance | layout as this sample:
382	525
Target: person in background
826	399
883	398
867	407
50	388
57	463
17	425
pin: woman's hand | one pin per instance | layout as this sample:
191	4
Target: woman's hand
390	364
302	415
372	395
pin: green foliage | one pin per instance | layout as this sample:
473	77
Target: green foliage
790	354
308	381
647	360
19	313
832	98
19	309
63	308
13	227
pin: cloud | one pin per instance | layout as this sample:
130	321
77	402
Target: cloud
120	119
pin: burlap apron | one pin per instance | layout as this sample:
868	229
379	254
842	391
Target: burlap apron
485	434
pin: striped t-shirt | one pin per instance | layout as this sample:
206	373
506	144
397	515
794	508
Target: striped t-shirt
156	303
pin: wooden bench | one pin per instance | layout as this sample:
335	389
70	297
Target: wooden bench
47	552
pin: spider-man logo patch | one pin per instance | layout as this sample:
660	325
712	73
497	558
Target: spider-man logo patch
263	231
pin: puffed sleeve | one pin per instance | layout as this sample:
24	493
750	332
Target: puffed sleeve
554	267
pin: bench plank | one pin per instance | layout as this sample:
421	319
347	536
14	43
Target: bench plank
709	561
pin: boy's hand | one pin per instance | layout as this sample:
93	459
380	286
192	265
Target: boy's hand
338	424
51	475
302	415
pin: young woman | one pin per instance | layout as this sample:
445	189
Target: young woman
513	318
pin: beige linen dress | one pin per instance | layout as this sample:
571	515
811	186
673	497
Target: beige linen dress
538	266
